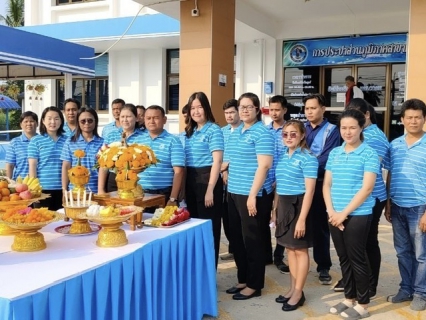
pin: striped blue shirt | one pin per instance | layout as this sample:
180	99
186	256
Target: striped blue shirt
116	135
47	152
407	168
347	172
227	130
376	139
242	150
200	146
17	154
110	127
291	171
182	138
169	151
279	147
68	131
90	148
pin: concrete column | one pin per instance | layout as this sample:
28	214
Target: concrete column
416	67
206	52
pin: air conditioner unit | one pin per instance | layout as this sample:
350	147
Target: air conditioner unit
152	2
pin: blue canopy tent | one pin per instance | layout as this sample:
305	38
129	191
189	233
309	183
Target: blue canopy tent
7	104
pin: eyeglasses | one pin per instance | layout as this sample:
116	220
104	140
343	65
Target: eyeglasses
249	107
84	121
292	135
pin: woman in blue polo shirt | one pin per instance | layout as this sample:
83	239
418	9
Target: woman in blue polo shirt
129	127
86	138
44	152
295	173
204	152
17	153
377	140
249	151
349	180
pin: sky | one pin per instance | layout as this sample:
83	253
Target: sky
3	7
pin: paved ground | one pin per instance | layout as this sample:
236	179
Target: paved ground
319	298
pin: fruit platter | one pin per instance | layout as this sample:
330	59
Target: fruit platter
27	221
168	217
111	219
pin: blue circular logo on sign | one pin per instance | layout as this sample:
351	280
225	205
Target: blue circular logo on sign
298	53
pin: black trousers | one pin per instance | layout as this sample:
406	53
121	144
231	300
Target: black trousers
248	237
111	184
53	203
350	246
278	254
225	219
373	250
197	180
319	216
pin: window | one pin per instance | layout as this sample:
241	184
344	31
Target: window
172	83
92	93
59	2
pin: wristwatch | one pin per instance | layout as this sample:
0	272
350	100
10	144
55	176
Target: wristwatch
172	199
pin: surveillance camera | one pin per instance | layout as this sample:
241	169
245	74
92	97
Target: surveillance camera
195	12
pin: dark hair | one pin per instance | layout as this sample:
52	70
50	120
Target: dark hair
139	106
78	130
372	111
77	102
43	129
358	104
132	108
115	101
413	104
279	99
255	100
28	114
185	109
231	103
302	129
155	107
317	96
191	124
350	78
355	114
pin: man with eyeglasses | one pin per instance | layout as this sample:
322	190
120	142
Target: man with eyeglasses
116	106
71	107
230	108
277	111
321	137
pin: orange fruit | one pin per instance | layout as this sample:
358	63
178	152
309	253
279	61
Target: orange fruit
5	198
5	192
15	197
3	184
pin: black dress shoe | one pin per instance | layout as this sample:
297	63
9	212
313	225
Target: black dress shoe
291	307
234	290
240	296
281	299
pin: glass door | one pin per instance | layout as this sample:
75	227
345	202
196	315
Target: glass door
335	90
397	97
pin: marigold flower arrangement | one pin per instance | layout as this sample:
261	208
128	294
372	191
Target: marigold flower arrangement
79	170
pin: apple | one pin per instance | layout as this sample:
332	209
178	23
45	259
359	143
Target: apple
21	187
25	195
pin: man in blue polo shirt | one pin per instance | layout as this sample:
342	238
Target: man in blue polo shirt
71	107
321	137
406	209
167	175
277	111
116	106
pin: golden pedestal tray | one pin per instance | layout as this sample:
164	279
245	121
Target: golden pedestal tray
111	234
78	226
27	238
6	230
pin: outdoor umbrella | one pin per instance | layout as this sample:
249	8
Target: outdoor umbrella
7	104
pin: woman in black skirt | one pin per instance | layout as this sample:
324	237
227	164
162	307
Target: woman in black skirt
296	174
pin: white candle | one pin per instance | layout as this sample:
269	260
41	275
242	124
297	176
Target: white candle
90	198
84	198
65	192
71	199
78	198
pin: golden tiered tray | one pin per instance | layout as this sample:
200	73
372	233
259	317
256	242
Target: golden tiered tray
78	226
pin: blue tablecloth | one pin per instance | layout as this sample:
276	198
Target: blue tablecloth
169	278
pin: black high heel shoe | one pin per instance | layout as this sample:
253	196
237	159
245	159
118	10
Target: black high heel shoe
240	296
281	299
291	307
234	290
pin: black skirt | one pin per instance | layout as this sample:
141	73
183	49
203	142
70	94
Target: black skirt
288	211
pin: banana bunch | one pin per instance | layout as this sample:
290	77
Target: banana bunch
32	183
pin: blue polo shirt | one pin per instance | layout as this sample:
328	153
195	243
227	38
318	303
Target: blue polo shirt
17	154
279	146
47	152
227	131
376	139
90	148
199	147
110	127
347	172
241	153
407	168
169	151
116	135
182	138
68	131
291	171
